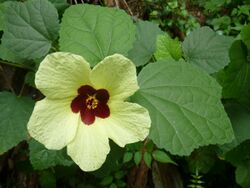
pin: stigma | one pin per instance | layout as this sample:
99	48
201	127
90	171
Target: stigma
91	102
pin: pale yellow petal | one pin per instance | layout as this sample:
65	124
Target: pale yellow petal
117	74
128	123
90	147
52	123
60	75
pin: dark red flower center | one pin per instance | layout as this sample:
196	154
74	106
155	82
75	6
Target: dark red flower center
91	103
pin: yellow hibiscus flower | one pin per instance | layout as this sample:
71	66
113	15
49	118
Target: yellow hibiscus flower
83	108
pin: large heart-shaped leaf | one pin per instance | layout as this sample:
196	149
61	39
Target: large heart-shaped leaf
30	28
184	105
96	32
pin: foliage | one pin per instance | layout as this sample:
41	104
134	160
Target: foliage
171	15
30	28
224	16
206	49
95	37
195	85
15	112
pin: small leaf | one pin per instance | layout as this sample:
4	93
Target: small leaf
185	110
148	159
30	79
242	174
42	158
202	159
30	28
121	183
14	116
206	49
137	157
135	146
120	174
162	157
107	180
150	146
245	35
144	46
127	157
47	180
92	31
167	48
113	185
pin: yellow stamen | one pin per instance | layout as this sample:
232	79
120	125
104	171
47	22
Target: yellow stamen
91	102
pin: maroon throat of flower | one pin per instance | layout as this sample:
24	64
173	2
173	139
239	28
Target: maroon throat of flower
91	103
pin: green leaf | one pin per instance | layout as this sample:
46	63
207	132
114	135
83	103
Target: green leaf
240	119
206	49
235	78
47	180
112	163
8	55
3	1
184	106
30	79
14	116
1	16
245	35
242	174
120	174
167	48
202	159
30	28
240	158
92	31
121	183
42	158
150	146
60	5
127	157
148	159
137	157
239	154
113	185
107	180
162	157
145	44
135	146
